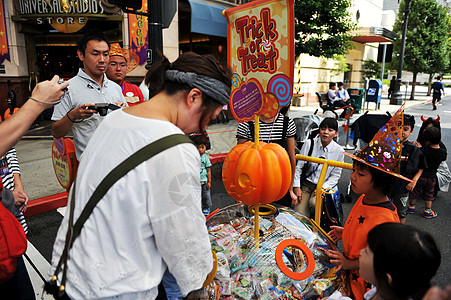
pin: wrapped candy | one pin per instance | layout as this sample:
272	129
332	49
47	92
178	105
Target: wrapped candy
257	273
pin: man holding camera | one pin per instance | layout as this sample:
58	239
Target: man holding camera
90	84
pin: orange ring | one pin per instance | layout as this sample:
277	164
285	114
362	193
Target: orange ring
213	272
271	210
305	250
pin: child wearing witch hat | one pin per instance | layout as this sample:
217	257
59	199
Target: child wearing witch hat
372	176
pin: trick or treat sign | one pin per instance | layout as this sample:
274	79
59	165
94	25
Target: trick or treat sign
260	40
64	161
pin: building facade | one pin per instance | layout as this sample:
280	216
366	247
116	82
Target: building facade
40	36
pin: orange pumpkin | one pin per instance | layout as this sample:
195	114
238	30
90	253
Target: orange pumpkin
257	174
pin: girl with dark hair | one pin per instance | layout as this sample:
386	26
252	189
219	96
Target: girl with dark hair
391	260
150	221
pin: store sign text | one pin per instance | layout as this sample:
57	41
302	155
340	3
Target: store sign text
27	7
61	20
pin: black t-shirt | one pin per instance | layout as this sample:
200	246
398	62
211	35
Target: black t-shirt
412	160
433	158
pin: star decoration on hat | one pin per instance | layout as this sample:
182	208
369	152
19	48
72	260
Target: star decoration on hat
384	150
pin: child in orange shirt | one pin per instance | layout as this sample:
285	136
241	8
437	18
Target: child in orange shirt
372	176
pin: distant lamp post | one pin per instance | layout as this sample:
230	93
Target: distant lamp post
396	97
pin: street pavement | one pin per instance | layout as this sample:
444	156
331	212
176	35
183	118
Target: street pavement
34	152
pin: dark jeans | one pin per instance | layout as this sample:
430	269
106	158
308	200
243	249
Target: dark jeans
436	97
19	287
339	103
206	196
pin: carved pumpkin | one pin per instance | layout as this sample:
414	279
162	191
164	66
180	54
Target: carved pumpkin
257	174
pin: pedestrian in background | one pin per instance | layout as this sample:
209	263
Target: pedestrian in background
426	183
437	88
11	179
201	142
391	88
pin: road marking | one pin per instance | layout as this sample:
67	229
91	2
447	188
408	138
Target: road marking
43	266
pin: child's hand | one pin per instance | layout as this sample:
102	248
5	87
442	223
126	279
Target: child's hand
298	192
336	233
338	259
411	185
208	185
294	198
20	199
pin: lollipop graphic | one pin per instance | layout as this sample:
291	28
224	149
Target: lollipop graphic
236	81
265	46
282	87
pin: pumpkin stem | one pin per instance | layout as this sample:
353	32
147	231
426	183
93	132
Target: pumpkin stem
256	225
257	129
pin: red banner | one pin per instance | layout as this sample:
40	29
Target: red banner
137	32
4	52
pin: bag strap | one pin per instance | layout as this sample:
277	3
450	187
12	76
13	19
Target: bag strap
285	127
307	164
122	169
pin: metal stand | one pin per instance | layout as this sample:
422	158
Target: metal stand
348	147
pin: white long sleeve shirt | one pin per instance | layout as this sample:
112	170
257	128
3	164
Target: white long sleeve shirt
333	151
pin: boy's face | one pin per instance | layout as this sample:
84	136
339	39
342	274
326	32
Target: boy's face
406	132
201	148
361	180
326	135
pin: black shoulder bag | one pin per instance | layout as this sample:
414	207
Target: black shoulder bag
122	169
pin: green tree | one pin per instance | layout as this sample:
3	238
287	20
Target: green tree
371	69
322	27
426	39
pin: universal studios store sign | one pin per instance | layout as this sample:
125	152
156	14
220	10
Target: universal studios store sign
64	15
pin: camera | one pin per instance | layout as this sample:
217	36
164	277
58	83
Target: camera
61	80
102	108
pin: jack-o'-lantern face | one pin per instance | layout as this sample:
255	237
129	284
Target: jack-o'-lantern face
257	174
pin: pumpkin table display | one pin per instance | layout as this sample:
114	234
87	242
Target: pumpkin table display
291	262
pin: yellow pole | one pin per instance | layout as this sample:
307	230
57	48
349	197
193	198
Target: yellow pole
322	176
256	226
257	207
257	129
319	192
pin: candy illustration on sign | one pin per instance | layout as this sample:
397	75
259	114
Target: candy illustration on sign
270	106
282	87
236	81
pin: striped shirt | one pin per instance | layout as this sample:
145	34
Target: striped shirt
8	181
269	132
